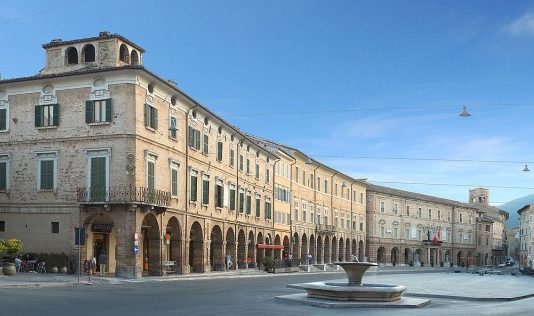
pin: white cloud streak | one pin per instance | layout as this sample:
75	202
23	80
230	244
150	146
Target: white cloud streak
522	26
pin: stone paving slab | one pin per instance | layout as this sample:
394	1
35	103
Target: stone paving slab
404	302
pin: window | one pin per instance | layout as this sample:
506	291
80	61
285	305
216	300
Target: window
395	208
151	116
382	231
205	143
4	114
219	150
461	218
361	226
232	154
248	166
240	162
487	228
296	212
193	184
407	233
205	189
174	179
47	171
267	208
267	175
98	174
395	232
249	203
381	205
172	128
134	58
325	186
326	216
361	198
257	170
297	174
241	201
72	56
258	204
2	226
303	177
98	111
439	215
4	170
88	53
194	138
304	212
232	197
219	193
318	184
312	214
47	115
335	191
419	212
407	210
123	53
429	214
55	227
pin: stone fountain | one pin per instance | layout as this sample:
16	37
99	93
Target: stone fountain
353	292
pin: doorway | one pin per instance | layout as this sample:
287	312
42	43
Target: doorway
100	243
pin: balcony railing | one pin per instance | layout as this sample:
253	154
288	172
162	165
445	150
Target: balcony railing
325	229
123	194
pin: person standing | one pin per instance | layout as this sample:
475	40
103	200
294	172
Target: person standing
228	261
18	264
102	260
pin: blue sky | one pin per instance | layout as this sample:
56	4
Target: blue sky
334	78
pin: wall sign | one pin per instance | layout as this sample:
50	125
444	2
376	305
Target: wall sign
101	228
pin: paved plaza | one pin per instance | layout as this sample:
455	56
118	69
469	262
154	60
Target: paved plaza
253	293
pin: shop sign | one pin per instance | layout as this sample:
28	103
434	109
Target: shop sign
101	228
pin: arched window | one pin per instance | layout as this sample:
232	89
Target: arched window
123	53
88	53
134	58
72	55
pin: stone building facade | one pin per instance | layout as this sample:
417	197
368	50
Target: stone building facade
525	235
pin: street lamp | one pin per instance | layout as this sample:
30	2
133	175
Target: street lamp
464	113
526	169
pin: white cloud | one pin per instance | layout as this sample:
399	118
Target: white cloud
522	26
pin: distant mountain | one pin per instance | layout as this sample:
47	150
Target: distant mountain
514	205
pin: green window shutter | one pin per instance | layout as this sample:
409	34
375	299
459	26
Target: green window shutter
56	114
37	116
197	139
147	115
108	110
3	176
3	124
155	119
89	105
191	137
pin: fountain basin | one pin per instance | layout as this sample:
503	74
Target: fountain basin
344	291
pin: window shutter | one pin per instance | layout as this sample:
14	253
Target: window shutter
89	111
3	124
191	137
56	114
108	110
3	175
226	196
37	116
197	139
155	124
147	115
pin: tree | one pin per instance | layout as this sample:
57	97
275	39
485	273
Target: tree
10	247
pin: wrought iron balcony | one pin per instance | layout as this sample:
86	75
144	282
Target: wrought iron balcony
325	229
123	195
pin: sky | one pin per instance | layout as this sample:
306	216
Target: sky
348	82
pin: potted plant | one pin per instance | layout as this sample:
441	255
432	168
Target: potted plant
11	248
268	263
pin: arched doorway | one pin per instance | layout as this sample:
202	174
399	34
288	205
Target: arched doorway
303	248
408	256
216	249
269	241
340	250
459	258
354	251
196	248
151	245
173	244
380	255
286	252
313	250
251	256
260	252
277	252
101	236
320	250
394	256
241	246
361	250
333	255
230	247
327	255
296	246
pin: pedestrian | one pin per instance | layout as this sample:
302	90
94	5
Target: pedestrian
309	259
93	265
102	261
228	261
18	263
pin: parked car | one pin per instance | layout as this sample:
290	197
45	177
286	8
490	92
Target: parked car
509	261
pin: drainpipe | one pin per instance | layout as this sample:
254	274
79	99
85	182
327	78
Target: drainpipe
351	213
187	196
291	207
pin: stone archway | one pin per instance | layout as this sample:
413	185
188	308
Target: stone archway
173	243
196	248
333	256
251	256
407	256
277	252
459	259
269	241
296	246
381	255
327	256
320	250
340	250
260	252
313	251
230	247
394	256
241	250
303	248
347	250
216	249
151	245
286	252
361	250
354	251
101	236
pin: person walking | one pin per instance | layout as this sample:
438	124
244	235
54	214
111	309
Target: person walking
228	261
102	261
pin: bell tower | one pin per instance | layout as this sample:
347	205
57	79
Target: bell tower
479	196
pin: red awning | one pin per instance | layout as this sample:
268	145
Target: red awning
267	246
